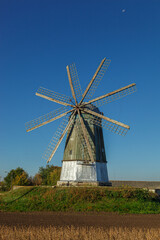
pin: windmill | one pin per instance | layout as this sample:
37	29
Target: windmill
84	159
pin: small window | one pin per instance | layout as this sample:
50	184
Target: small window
70	152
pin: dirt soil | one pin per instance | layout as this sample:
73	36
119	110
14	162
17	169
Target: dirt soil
79	219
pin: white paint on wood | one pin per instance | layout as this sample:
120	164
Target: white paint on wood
84	172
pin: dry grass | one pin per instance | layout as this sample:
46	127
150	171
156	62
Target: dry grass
77	233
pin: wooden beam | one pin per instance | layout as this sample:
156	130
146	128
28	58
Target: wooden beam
92	80
61	137
110	94
48	121
54	100
86	137
106	118
71	84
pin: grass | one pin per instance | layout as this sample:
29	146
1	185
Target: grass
77	233
106	199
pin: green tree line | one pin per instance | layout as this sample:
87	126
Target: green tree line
48	175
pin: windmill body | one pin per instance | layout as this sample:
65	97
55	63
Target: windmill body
84	159
76	156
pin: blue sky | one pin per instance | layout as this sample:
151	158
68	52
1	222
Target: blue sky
39	38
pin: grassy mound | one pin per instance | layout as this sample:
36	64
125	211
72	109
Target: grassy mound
106	199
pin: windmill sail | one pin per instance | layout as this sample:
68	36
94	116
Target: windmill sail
106	118
81	119
86	137
90	90
112	96
112	127
79	141
47	118
57	138
75	81
53	96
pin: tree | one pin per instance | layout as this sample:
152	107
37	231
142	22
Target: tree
54	175
50	175
21	180
37	180
16	176
3	186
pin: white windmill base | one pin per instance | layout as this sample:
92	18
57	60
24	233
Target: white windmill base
75	173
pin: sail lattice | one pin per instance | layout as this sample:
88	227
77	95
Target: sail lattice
46	93
97	79
112	127
83	147
47	118
115	96
81	114
55	138
75	81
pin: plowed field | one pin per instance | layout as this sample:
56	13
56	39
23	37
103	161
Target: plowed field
79	219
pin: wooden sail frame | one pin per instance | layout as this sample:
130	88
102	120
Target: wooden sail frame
79	108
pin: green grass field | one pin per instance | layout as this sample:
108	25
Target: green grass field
82	199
